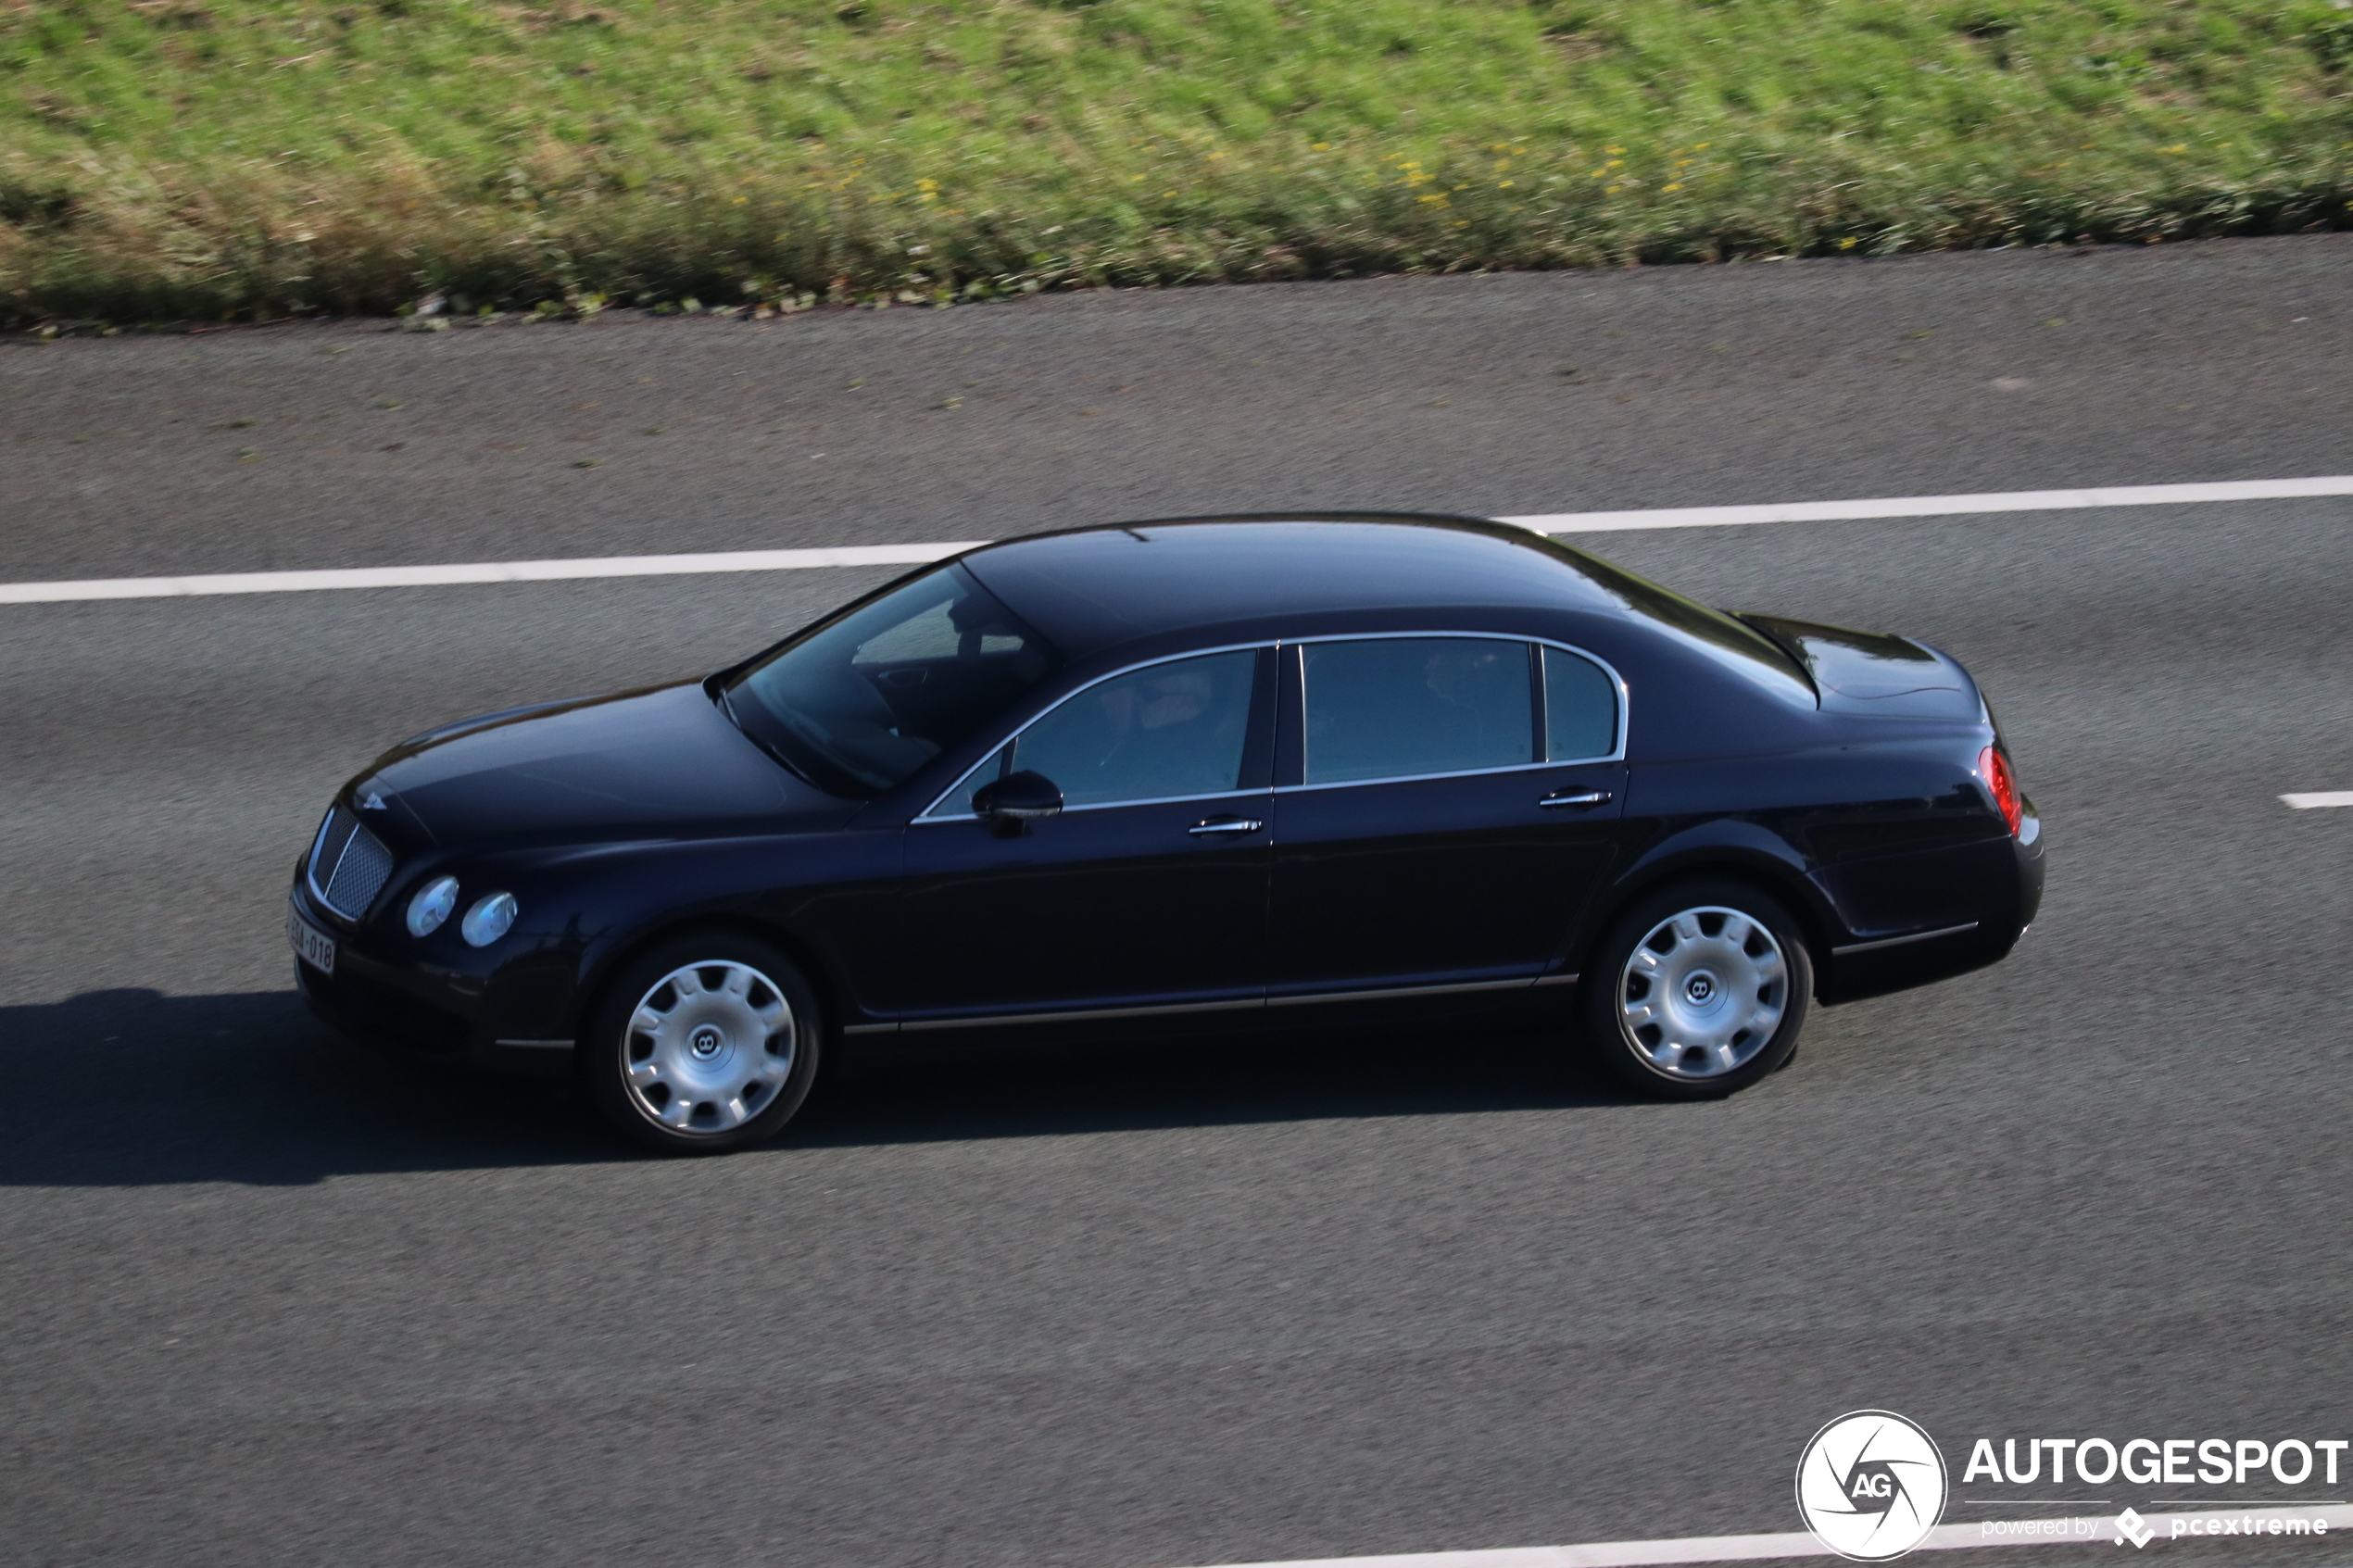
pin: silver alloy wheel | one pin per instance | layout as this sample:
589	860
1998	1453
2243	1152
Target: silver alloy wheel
1702	993
709	1046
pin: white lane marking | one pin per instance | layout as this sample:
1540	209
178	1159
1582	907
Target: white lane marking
1940	505
1740	1548
480	571
2325	798
916	555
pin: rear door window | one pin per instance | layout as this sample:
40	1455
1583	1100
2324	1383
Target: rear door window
1387	707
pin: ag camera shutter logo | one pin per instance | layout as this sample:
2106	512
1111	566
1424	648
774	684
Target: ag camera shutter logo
1871	1485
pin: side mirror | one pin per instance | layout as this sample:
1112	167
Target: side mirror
1010	803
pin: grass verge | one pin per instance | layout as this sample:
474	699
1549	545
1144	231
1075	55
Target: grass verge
208	158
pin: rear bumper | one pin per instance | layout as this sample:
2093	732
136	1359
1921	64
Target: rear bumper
1971	905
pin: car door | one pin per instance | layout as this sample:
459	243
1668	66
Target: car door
1146	891
1448	804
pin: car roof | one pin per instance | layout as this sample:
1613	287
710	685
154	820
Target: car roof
1093	588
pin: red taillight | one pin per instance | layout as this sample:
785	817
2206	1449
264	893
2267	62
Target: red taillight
1995	768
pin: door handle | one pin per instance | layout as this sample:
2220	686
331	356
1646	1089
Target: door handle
1224	824
1574	799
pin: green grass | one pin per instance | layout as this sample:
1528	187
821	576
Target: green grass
177	158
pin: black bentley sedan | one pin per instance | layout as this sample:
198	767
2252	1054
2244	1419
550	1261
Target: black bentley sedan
1200	773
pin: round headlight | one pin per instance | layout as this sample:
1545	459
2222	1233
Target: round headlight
431	906
489	919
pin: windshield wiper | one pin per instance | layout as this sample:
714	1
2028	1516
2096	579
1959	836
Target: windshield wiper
727	706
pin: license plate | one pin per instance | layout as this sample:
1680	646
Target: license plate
312	944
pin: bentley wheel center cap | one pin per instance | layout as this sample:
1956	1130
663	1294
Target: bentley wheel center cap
705	1042
1700	987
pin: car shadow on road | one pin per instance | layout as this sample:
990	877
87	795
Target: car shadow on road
129	1087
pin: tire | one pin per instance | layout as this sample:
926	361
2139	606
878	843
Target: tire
702	1045
1662	1003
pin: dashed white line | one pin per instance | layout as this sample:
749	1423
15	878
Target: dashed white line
2324	797
915	555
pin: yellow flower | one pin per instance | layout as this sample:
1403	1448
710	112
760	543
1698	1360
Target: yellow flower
1677	186
1506	184
1323	146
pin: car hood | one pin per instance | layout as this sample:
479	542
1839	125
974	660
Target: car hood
645	762
1874	672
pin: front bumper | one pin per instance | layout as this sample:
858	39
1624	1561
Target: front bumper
507	1021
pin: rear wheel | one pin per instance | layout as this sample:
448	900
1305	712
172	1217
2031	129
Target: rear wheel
703	1044
1698	990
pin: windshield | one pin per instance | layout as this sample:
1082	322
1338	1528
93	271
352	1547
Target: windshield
861	701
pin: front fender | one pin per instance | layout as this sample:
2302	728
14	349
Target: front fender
824	897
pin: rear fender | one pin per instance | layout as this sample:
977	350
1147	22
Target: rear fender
1720	848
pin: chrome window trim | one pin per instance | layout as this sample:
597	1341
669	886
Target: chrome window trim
1106	805
1615	754
1417	778
961	779
1617	682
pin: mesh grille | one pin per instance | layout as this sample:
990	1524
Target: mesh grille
355	864
333	834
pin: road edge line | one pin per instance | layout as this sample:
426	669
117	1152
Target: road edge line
1742	1549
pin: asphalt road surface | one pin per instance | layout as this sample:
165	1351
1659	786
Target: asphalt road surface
265	1298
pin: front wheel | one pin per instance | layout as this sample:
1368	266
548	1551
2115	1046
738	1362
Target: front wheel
703	1044
1698	991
